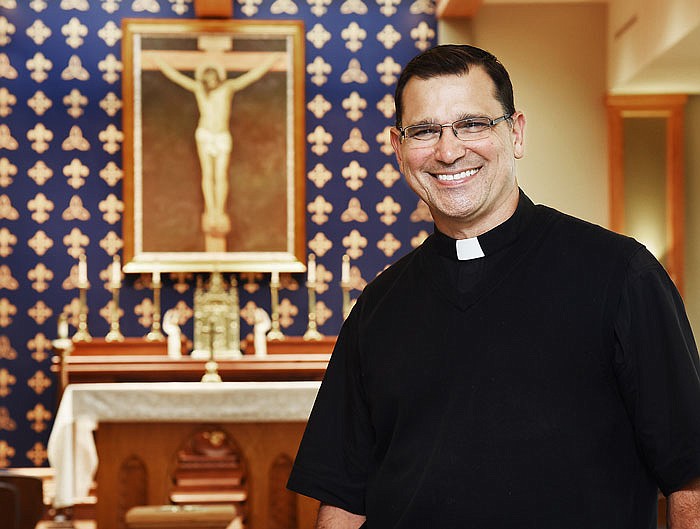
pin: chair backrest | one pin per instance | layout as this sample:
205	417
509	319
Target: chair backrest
9	505
30	496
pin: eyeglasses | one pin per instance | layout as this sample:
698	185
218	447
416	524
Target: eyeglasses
469	129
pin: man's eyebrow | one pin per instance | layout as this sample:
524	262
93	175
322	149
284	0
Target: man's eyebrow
473	115
424	121
465	115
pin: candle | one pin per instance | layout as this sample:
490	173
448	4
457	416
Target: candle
345	270
62	327
275	279
156	278
311	278
82	271
116	280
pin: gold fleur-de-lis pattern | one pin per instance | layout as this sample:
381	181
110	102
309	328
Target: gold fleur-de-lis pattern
61	175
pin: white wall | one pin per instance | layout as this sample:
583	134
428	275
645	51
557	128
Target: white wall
556	57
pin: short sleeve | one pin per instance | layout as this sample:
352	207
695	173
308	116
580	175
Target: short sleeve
657	367
332	461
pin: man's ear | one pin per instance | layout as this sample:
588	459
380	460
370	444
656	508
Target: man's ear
518	134
396	143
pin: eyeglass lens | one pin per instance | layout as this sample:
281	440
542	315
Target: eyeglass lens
472	129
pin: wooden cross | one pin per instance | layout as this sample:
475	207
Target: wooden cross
213	8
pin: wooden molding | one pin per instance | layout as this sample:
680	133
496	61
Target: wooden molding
213	8
458	8
669	107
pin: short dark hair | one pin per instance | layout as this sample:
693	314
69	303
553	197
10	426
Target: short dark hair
456	59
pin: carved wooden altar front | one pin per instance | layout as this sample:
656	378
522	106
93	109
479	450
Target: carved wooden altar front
145	459
138	466
183	443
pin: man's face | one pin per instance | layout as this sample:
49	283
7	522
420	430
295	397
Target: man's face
210	78
469	186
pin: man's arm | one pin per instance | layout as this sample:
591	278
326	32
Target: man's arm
175	76
683	510
252	75
330	517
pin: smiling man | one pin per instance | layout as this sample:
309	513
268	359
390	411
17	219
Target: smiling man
521	368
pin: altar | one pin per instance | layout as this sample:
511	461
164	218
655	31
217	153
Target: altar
126	437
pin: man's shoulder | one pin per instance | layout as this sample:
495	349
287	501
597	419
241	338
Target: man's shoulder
586	234
394	275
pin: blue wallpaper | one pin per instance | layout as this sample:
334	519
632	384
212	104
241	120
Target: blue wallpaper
61	177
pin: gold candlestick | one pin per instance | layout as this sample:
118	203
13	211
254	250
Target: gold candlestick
114	334
211	368
211	372
235	323
312	333
275	333
156	335
82	334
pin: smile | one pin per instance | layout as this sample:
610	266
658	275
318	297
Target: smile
457	176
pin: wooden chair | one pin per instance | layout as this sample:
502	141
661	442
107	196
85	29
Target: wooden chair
28	502
9	505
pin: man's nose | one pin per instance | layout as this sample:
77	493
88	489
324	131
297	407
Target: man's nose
449	147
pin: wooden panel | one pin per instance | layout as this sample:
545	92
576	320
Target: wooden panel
213	8
458	8
297	345
156	445
92	369
282	506
132	485
130	346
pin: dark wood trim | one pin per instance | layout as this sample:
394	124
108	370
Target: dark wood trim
213	8
136	360
146	368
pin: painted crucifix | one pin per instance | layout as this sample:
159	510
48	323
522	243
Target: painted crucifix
214	93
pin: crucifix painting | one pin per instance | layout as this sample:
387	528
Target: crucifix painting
217	169
214	93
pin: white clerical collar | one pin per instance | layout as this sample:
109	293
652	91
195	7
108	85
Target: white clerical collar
469	249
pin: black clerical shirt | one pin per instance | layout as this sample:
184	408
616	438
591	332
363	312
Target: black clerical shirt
551	383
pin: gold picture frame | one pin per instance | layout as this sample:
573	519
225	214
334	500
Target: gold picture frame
214	175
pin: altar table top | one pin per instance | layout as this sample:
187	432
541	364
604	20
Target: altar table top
71	446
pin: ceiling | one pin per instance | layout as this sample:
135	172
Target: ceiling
677	70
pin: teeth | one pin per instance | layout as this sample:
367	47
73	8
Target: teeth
458	176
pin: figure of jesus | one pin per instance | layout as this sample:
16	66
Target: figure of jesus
214	95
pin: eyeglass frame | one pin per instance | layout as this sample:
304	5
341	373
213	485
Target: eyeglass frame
489	124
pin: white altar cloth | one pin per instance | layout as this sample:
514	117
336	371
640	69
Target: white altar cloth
71	447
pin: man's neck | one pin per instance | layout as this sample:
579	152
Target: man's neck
467	228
